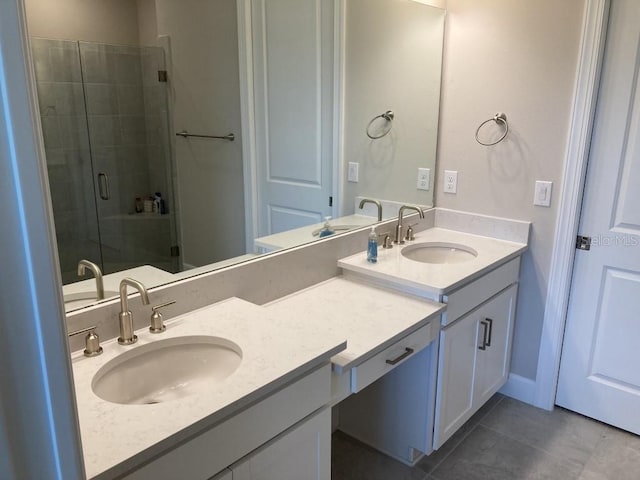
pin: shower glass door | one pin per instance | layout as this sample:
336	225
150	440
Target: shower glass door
105	123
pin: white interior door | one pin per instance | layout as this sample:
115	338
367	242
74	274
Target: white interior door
599	373
292	43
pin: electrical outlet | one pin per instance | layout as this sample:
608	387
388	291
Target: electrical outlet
352	174
542	196
424	176
450	181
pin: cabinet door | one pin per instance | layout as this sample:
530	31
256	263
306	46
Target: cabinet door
456	366
494	354
301	453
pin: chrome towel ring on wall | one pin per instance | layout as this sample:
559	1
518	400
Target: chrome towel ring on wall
500	118
388	116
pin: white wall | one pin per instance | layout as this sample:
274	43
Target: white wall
147	22
393	57
204	81
104	21
518	57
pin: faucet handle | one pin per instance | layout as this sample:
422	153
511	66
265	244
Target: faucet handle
157	324
409	235
91	341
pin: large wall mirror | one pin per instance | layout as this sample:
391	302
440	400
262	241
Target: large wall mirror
186	135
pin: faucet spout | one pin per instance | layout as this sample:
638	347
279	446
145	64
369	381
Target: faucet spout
97	273
125	318
398	237
375	202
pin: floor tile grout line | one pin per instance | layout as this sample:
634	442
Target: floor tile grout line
465	436
535	447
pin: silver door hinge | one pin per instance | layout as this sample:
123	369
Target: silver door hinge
583	243
162	76
175	251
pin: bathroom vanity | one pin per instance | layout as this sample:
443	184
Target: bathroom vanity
405	351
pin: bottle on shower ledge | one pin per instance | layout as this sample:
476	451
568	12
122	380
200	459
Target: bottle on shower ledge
159	204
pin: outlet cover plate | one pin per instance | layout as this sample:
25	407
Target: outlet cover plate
450	181
424	178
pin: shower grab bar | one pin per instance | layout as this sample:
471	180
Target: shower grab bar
103	186
184	134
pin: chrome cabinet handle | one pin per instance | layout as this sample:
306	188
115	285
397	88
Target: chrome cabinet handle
103	186
490	322
485	335
407	351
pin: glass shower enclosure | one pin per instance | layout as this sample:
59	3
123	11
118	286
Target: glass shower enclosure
105	122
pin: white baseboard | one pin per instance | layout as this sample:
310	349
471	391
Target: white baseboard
520	388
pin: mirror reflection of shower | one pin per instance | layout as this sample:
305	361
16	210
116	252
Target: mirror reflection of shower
104	116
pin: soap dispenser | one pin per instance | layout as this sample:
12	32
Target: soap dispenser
326	229
372	246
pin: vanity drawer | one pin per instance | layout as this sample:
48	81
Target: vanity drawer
470	296
369	371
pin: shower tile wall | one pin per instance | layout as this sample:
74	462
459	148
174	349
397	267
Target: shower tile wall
66	139
122	114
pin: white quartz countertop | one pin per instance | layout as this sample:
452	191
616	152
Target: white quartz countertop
370	318
275	350
302	235
395	270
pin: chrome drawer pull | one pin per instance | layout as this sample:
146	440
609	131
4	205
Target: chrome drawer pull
407	351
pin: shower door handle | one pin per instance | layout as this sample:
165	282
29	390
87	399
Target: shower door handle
103	186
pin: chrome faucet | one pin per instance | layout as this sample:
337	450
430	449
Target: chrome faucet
398	239
127	336
97	273
375	202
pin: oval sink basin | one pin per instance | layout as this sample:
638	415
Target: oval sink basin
82	299
437	252
166	370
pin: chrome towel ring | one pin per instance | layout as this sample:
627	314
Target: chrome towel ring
498	118
388	116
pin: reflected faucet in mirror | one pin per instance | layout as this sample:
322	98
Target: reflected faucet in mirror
375	202
398	238
97	273
125	318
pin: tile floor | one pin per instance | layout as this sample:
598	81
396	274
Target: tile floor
506	440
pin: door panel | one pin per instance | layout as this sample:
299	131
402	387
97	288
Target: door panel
293	95
598	372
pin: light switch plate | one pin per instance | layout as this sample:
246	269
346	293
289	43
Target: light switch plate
450	181
424	177
542	195
352	174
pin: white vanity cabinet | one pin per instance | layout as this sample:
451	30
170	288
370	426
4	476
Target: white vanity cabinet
288	431
301	453
473	364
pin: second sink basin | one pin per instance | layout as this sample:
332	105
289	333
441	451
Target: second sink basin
166	370
439	252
